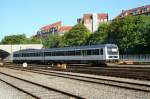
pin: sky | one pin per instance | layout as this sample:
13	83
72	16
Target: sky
28	16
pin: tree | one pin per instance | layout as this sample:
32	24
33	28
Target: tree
33	40
100	36
77	35
53	41
14	39
129	33
19	39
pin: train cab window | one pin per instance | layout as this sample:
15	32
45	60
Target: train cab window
101	52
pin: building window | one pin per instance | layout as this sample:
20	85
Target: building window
144	10
148	9
134	12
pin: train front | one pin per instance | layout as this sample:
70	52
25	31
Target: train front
112	52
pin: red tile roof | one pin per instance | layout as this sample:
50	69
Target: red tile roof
47	27
65	28
102	16
129	12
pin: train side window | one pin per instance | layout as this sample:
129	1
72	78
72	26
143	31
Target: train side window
71	53
15	55
48	54
33	54
65	53
89	52
61	53
44	53
53	53
29	54
101	52
84	52
23	55
40	54
77	52
95	52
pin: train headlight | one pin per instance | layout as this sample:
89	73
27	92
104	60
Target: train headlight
114	50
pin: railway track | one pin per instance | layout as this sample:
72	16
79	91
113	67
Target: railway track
124	86
37	91
139	73
91	79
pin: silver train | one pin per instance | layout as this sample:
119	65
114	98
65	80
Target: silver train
84	54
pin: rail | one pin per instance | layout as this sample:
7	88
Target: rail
103	80
11	77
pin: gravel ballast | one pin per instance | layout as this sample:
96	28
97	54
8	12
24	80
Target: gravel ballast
85	89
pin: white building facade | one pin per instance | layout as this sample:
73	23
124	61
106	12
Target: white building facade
92	21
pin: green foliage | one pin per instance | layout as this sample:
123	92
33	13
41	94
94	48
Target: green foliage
100	36
14	39
53	41
33	40
130	33
19	39
77	35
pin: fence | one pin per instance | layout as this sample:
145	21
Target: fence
135	58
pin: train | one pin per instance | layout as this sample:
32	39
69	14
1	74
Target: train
96	54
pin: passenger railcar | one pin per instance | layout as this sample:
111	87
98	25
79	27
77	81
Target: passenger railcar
83	54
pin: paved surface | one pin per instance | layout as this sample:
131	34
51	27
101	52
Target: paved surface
84	89
8	92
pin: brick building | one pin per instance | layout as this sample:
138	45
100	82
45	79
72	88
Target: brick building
143	10
55	28
93	20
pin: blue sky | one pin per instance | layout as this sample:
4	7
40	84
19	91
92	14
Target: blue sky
27	16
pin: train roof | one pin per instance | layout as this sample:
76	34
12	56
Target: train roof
68	48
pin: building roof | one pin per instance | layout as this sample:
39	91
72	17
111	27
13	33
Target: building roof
47	27
102	15
129	12
65	28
